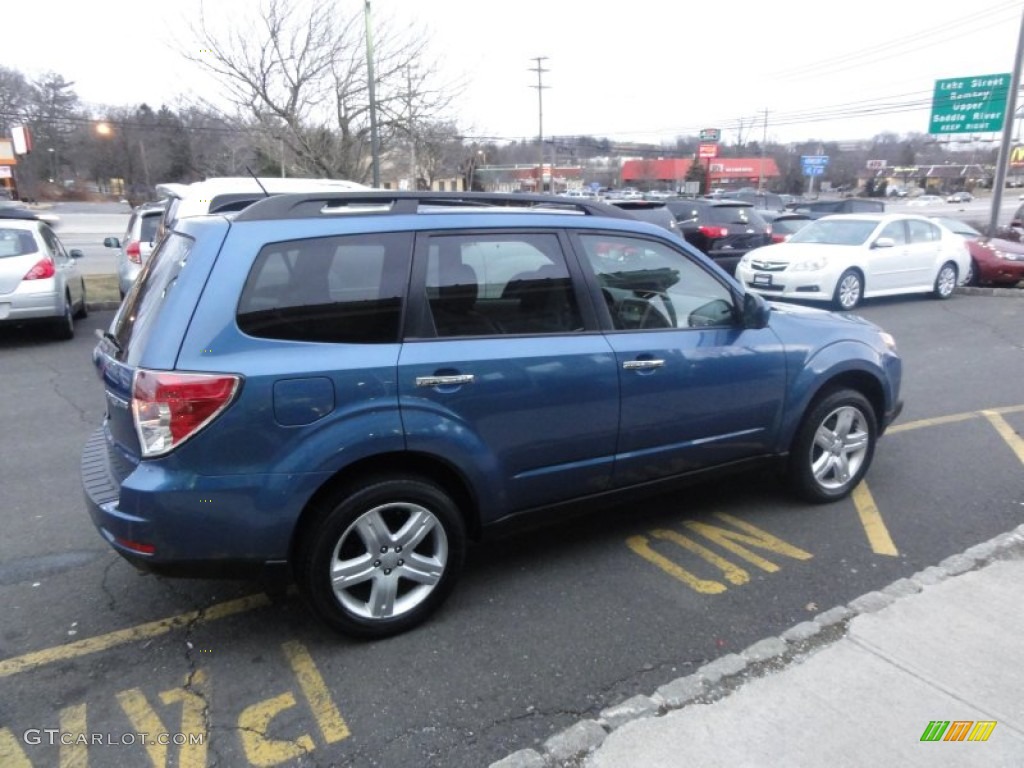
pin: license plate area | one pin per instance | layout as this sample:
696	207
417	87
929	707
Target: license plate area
762	279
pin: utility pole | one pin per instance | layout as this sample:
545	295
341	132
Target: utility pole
371	82
539	69
1004	148
764	140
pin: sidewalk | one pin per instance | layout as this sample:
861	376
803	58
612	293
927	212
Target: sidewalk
858	686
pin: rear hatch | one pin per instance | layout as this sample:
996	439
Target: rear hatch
19	253
145	335
653	211
737	228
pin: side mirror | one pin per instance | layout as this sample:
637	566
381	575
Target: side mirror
884	242
755	311
75	253
111	242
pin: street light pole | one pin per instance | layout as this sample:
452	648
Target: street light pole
53	164
370	78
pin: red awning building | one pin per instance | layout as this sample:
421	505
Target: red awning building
724	171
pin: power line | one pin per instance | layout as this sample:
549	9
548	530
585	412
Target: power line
900	44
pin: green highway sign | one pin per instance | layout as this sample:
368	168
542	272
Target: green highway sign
969	104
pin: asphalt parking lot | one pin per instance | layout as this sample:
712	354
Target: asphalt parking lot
103	664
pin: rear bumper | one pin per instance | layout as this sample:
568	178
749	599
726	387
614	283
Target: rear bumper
890	416
166	521
17	307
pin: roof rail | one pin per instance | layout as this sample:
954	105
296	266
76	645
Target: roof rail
383	202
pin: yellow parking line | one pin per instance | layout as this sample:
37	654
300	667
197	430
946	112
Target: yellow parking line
951	419
874	526
878	535
1006	432
16	664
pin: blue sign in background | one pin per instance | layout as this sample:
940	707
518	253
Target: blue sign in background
813	165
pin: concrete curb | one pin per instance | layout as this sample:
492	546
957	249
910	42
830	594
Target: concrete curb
724	675
980	290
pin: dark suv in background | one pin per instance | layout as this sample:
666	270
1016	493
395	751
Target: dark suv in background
723	229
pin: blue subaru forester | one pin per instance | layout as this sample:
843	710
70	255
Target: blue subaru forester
344	388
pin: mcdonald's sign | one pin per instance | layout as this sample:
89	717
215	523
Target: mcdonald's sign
1017	156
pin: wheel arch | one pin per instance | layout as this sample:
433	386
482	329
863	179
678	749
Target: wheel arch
857	379
408	463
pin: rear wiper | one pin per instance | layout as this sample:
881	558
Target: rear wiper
108	336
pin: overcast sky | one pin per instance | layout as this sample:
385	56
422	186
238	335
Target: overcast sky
644	70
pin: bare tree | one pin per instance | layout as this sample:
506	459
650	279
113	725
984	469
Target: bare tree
298	71
440	152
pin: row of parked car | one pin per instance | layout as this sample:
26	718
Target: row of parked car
862	253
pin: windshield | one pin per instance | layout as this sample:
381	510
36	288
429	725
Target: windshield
836	232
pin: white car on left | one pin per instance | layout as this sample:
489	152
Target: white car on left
844	258
39	280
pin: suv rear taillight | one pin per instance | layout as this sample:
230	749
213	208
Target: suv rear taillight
713	232
168	408
133	253
41	270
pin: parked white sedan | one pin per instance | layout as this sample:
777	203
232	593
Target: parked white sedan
844	258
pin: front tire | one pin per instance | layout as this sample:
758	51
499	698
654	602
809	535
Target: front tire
849	290
833	447
382	556
945	281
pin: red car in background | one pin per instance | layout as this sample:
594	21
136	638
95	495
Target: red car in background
994	260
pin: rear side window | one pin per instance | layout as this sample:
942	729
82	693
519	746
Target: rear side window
334	289
148	228
134	320
16	242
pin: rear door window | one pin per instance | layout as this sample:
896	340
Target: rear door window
923	231
347	289
494	285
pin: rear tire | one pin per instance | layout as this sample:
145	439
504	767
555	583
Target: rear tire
973	277
833	447
849	290
64	326
83	309
382	556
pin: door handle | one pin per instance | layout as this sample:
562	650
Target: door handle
444	381
642	365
